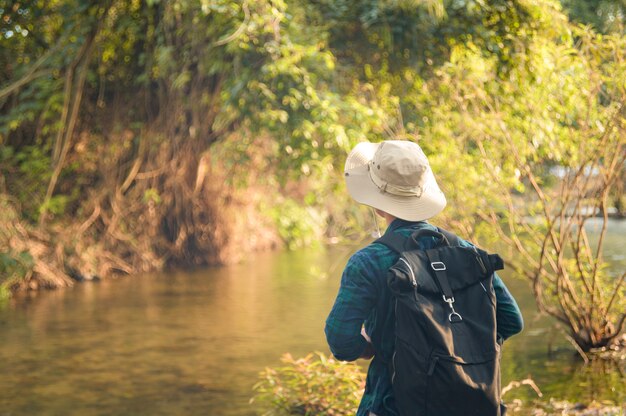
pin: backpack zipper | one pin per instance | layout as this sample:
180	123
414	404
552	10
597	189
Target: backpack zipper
413	280
393	357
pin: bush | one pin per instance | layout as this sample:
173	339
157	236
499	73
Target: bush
14	268
318	385
313	385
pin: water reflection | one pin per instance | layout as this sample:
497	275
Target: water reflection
182	343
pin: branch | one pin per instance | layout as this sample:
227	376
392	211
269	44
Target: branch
577	347
516	384
620	325
74	92
512	239
556	241
615	293
34	72
135	168
586	251
30	76
570	312
603	204
92	218
239	30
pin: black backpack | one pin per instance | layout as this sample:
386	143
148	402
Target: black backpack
447	353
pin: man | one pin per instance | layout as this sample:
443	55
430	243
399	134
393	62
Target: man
394	178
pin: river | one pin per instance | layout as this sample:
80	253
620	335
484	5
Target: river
193	342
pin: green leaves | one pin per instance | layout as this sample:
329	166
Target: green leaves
312	385
14	268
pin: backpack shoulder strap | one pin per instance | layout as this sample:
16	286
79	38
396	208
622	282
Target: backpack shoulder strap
453	239
394	241
398	243
441	276
439	267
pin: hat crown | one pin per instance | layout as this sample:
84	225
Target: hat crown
400	163
394	176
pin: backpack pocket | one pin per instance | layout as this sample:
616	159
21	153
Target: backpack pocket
455	387
409	375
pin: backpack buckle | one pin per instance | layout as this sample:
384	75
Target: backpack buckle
454	315
438	266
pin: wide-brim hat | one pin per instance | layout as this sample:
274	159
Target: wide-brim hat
394	176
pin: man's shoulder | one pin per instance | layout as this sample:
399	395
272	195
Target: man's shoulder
372	258
371	252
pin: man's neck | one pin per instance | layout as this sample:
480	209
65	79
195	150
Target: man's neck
388	218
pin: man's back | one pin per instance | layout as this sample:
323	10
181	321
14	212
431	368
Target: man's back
365	298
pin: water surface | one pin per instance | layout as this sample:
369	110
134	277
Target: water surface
193	343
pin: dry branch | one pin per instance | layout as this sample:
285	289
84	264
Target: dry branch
526	382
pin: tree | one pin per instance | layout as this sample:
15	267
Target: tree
112	112
542	151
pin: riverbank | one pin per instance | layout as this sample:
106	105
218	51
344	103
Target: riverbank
109	243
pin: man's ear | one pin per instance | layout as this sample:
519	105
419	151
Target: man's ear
387	216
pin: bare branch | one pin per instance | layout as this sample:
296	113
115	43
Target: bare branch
577	347
73	97
31	76
615	294
525	382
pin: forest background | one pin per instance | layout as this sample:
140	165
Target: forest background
137	135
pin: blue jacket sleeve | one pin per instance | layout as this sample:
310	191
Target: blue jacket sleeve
508	315
354	302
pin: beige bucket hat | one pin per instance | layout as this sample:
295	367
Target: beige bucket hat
394	176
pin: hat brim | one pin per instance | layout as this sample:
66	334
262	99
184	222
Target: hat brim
363	190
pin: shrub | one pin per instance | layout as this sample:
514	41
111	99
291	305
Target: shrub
313	385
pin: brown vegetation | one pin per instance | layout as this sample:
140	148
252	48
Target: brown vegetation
142	217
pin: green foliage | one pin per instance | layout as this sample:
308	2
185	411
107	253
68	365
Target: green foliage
606	16
152	196
14	268
27	172
313	385
291	95
299	225
55	205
